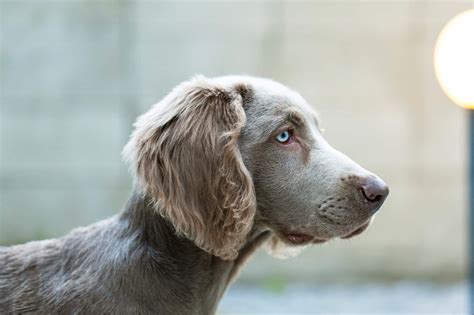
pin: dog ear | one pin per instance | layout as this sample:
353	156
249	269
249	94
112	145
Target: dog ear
184	154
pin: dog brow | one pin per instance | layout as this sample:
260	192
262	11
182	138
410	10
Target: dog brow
290	116
295	118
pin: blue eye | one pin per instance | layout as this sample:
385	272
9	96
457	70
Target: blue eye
283	137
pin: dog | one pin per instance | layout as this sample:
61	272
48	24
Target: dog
221	166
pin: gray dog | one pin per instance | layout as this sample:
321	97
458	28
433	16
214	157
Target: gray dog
221	166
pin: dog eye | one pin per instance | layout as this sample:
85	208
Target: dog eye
284	137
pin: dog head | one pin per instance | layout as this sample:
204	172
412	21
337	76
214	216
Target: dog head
221	155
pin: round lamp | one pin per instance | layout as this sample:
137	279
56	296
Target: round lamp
454	59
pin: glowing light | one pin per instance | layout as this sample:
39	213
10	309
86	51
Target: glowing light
454	59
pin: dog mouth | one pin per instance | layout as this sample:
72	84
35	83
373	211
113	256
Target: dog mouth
298	238
357	231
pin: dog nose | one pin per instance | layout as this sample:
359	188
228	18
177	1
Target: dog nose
375	191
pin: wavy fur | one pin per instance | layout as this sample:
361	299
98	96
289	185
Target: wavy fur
184	153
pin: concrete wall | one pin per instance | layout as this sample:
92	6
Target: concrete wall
74	75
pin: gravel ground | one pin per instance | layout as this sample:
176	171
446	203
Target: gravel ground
399	298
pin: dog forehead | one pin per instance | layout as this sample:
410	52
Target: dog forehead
267	93
268	99
261	86
276	105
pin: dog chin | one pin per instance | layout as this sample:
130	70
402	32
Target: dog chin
358	230
297	238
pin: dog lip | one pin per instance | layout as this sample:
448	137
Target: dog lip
357	231
319	241
299	238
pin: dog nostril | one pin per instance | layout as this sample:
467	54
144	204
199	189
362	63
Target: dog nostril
371	196
375	190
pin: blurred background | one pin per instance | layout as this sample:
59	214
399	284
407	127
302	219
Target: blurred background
75	75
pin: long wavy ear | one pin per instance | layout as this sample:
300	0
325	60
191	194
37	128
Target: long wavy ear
184	154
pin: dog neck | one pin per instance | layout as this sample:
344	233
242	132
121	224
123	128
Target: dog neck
207	276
